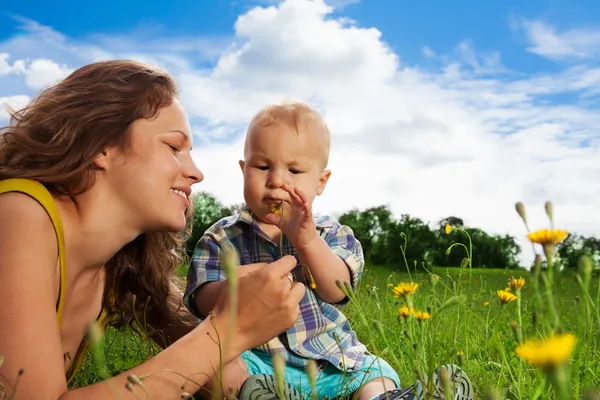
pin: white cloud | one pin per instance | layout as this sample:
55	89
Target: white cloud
13	102
464	140
38	73
547	41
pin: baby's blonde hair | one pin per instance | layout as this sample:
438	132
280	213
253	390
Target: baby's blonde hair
296	115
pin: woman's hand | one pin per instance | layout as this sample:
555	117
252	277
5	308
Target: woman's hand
268	304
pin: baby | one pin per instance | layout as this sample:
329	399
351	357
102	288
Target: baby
286	154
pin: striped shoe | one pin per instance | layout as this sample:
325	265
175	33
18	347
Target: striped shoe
460	387
263	387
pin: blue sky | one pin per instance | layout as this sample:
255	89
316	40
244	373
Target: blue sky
436	108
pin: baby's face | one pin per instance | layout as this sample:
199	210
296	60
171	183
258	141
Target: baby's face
275	155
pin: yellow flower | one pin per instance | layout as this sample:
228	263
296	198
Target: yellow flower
547	353
276	207
422	315
547	237
487	303
448	229
516	283
405	312
405	288
390	285
506	297
313	285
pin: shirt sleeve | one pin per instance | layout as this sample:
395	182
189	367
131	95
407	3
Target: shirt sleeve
206	266
342	242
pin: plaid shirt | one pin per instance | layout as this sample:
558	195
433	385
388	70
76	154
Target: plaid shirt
321	331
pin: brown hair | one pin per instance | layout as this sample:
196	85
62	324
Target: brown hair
54	141
296	115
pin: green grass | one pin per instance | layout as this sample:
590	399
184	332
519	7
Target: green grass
485	337
481	332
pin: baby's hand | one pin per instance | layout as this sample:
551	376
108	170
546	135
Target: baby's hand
296	223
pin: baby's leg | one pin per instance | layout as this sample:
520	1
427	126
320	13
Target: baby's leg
375	387
234	375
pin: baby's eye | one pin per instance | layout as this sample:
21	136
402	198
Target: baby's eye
295	171
262	167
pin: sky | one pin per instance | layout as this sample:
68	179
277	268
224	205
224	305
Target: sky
436	108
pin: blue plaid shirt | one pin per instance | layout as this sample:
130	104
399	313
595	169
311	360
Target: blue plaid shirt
321	332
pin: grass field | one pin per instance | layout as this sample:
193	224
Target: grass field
474	332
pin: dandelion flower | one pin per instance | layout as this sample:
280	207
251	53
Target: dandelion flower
422	315
506	297
276	207
404	289
547	237
547	353
516	283
448	229
486	303
405	312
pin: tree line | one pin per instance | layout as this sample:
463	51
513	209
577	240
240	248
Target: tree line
408	240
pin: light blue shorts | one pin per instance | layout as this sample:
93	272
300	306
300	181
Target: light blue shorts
331	382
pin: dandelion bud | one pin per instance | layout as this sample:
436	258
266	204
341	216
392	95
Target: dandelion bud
349	287
516	331
548	207
379	328
461	358
464	263
444	375
521	211
492	394
585	266
129	387
591	394
134	379
311	372
279	370
185	396
230	261
340	285
434	279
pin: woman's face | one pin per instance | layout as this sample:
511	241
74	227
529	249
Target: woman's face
153	178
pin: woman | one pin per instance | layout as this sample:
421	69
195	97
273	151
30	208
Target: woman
95	179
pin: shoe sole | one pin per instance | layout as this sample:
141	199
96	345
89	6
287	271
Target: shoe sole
263	387
461	386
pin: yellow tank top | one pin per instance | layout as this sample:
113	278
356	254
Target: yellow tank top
43	196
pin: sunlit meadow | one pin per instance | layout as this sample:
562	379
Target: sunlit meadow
518	334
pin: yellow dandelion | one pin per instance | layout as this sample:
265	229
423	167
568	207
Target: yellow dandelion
405	312
390	285
547	353
422	315
313	285
448	229
276	207
516	283
404	289
505	296
486	303
547	237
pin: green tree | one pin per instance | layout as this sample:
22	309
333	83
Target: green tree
575	246
207	210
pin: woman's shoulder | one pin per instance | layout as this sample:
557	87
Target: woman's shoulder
25	207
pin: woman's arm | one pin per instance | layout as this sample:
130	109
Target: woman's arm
29	335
